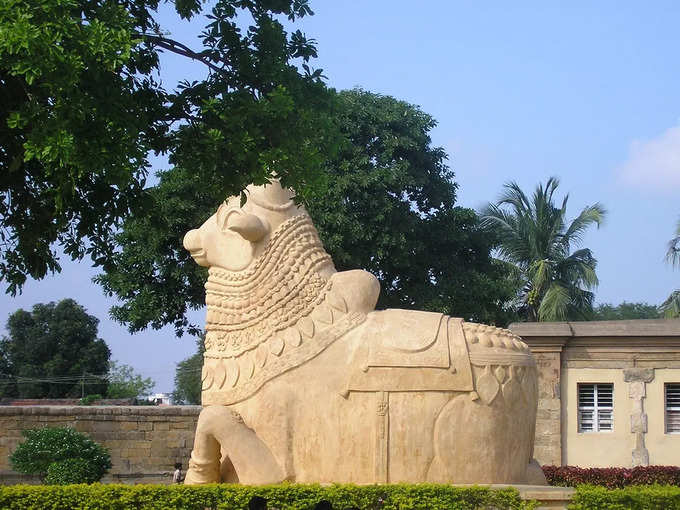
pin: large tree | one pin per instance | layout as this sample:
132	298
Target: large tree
671	306
52	352
83	105
389	207
536	236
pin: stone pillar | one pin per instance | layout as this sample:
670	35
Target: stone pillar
548	443
637	379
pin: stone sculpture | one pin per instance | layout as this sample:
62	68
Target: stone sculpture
304	381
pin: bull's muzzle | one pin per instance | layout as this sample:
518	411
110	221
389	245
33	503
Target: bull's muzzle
193	243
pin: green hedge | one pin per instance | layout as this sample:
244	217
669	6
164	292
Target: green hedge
634	497
238	497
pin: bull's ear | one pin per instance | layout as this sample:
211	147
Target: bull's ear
249	226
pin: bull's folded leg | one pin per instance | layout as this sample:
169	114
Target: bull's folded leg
221	432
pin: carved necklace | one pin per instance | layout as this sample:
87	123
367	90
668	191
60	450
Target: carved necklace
260	321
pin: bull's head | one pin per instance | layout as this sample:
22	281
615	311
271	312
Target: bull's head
235	236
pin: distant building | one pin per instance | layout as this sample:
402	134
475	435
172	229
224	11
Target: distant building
609	391
161	399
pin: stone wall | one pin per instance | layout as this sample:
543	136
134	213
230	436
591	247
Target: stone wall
144	441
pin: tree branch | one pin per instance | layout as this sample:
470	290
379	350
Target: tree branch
178	48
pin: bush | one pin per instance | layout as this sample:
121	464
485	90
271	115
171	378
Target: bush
612	478
55	445
640	497
239	497
70	471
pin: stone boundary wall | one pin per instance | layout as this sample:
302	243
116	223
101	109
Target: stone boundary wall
144	441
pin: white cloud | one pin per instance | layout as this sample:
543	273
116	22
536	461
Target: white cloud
654	165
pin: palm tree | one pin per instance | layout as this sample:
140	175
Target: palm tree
535	237
671	307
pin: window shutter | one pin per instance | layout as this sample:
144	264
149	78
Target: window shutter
595	407
672	408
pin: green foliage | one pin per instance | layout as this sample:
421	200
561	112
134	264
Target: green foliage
188	378
625	311
89	399
640	497
536	237
52	352
389	207
671	306
71	471
82	108
54	445
125	383
237	497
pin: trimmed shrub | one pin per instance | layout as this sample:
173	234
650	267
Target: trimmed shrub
56	445
612	478
239	497
639	497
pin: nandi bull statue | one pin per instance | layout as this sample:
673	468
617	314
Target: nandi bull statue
304	381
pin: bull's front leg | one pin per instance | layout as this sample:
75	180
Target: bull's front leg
223	438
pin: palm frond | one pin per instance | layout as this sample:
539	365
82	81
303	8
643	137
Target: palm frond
513	196
555	304
579	268
592	214
673	253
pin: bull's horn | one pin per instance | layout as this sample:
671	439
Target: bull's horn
249	226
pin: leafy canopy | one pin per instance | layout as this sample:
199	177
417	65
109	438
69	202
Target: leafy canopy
83	106
52	352
60	455
537	238
389	207
625	311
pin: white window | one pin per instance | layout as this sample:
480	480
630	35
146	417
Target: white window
672	408
595	407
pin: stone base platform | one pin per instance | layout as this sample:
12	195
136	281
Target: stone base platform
548	497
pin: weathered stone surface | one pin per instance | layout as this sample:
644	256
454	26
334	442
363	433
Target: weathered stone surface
636	390
304	381
640	457
638	423
638	375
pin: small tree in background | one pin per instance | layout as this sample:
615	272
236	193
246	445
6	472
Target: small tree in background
125	383
60	456
188	377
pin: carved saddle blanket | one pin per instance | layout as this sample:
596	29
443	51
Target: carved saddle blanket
405	350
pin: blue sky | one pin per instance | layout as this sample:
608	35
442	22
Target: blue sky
585	91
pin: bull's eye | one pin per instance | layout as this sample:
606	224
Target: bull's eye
226	216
